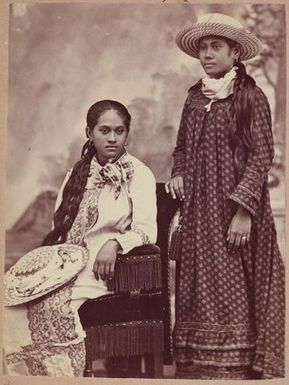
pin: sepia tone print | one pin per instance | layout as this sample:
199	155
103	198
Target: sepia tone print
65	57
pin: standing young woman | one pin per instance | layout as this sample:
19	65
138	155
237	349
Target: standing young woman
107	204
230	294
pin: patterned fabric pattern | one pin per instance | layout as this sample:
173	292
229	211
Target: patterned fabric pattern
230	305
141	233
46	360
51	325
86	217
113	174
47	322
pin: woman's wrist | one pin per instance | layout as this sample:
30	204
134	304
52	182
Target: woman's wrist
116	244
242	211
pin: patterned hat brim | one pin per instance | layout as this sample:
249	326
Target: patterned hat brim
75	259
187	39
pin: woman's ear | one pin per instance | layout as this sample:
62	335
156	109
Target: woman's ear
88	133
236	53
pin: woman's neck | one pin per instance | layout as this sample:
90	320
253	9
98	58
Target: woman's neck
103	162
221	74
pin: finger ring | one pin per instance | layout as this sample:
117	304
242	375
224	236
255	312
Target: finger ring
244	237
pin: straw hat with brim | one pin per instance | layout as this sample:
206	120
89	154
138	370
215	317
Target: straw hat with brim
41	271
216	24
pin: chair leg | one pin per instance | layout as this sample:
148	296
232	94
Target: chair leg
88	359
158	365
134	367
124	367
154	365
116	367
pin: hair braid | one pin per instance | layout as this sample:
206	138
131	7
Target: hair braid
72	196
242	110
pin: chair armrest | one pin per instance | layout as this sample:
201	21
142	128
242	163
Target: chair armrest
142	250
140	269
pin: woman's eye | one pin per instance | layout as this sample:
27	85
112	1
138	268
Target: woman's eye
104	130
120	130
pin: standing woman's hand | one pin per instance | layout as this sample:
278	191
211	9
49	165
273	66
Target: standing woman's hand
240	229
104	263
175	186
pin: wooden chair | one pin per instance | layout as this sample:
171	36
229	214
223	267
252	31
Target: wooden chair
134	321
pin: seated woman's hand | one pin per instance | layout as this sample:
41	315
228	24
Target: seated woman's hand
104	263
175	186
240	228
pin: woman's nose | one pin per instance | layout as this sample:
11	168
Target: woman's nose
208	53
111	137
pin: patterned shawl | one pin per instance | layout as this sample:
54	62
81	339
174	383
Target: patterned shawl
115	174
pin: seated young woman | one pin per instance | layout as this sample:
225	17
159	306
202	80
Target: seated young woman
107	204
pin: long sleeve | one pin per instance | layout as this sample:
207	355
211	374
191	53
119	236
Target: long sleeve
249	190
143	228
179	154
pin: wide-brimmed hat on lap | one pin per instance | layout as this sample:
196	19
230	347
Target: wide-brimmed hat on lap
41	271
216	24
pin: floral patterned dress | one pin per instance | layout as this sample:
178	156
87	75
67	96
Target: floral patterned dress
45	336
229	305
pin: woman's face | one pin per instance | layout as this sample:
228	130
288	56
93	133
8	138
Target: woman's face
216	56
109	136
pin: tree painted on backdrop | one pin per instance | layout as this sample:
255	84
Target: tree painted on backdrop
267	21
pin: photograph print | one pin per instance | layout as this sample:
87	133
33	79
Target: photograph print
145	198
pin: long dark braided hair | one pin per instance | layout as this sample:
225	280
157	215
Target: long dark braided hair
74	188
242	110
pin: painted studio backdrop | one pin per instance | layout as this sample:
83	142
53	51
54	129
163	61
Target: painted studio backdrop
64	57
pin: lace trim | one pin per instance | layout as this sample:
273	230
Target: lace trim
142	234
86	218
34	357
50	318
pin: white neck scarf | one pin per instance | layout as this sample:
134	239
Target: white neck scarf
216	89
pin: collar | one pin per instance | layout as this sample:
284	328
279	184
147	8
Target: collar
116	173
216	89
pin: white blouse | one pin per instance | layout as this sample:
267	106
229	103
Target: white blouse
131	218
